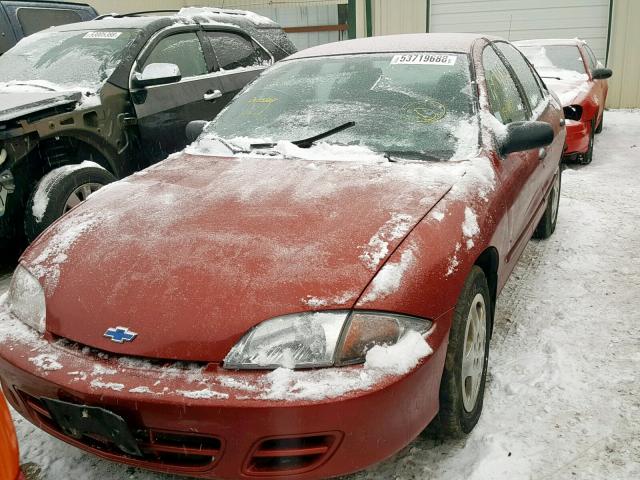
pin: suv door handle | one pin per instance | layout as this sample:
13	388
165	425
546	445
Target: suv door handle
212	95
542	153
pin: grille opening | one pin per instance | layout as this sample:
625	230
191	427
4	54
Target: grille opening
291	455
190	442
180	450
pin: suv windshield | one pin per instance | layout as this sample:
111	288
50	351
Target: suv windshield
81	58
555	60
406	105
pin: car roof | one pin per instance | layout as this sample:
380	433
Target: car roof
412	42
549	41
189	15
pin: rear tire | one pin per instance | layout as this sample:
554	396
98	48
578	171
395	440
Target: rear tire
465	369
548	222
59	191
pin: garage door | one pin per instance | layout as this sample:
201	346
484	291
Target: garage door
525	19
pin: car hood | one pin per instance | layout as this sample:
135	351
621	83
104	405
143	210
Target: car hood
15	104
568	90
192	253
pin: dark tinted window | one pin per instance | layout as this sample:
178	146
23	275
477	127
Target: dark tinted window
506	102
183	50
235	51
524	73
33	20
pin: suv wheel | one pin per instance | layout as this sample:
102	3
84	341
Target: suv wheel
59	191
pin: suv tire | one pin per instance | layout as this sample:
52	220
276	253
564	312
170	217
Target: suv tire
59	191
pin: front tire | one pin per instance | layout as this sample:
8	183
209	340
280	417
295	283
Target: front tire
587	157
548	222
465	370
59	191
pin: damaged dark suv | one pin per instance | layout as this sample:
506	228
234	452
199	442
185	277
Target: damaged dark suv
84	104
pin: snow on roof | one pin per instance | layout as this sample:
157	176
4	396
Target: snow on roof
549	41
412	42
217	14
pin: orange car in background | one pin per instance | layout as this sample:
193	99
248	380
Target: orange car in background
9	467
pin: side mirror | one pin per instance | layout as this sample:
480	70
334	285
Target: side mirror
157	74
601	73
194	129
523	136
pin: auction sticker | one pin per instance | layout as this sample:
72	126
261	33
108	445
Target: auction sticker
103	35
423	59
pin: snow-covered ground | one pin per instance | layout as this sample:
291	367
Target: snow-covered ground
563	394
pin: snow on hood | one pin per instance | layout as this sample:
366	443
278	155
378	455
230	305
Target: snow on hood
569	87
208	247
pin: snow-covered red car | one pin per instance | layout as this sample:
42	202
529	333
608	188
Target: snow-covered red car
571	70
9	466
311	283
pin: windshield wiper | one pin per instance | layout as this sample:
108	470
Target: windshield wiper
235	149
32	84
308	142
555	78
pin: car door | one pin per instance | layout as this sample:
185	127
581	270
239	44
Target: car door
239	58
163	111
520	171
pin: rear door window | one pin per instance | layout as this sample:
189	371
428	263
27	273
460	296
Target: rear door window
235	51
506	103
524	73
183	50
33	20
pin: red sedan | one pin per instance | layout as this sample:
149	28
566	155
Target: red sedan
571	70
307	286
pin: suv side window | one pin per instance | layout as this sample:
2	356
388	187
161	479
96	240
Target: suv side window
504	97
235	51
183	50
33	19
524	73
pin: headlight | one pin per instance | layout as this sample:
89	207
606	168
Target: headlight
26	299
319	339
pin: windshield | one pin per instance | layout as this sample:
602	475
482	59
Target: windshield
410	105
81	58
555	60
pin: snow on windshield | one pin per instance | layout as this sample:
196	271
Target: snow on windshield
81	60
563	62
415	106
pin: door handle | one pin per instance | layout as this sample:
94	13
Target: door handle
212	95
542	153
563	122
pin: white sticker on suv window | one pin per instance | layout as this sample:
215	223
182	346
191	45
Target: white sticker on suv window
103	35
424	59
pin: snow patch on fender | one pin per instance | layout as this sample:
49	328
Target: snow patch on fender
470	226
389	279
400	358
378	248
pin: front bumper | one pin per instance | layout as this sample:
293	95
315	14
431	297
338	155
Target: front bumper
203	421
577	141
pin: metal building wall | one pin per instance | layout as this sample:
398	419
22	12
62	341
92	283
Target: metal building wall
525	19
624	55
393	16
